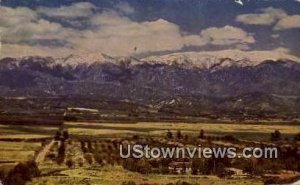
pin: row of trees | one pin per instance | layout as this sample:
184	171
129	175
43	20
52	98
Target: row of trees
61	135
179	135
275	136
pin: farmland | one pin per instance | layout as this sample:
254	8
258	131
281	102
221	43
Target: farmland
241	131
87	153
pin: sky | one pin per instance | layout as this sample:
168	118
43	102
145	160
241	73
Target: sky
140	28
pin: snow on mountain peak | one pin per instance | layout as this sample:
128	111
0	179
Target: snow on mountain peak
85	59
207	59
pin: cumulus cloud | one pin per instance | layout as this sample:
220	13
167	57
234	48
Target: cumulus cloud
227	35
270	16
109	32
19	25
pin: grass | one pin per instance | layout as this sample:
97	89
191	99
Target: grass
98	132
25	132
242	131
17	151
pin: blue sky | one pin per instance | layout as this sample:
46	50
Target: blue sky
146	27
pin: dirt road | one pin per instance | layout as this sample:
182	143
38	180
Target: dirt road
42	154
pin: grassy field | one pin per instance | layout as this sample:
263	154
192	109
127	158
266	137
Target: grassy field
242	131
25	132
11	152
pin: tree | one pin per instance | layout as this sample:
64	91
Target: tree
163	169
143	166
128	183
80	162
22	173
57	135
276	136
169	135
89	158
61	153
65	134
179	135
220	170
183	168
197	166
89	145
186	137
70	163
201	134
297	137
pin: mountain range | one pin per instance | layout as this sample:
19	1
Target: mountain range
229	80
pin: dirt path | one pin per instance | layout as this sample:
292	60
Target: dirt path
42	154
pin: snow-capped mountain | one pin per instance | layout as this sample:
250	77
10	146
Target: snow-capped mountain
224	58
169	79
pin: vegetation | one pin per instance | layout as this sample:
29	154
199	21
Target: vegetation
22	173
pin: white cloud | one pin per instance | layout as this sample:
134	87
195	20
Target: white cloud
83	9
195	40
288	22
267	17
20	25
14	16
227	35
20	50
125	8
270	16
109	33
119	35
116	35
